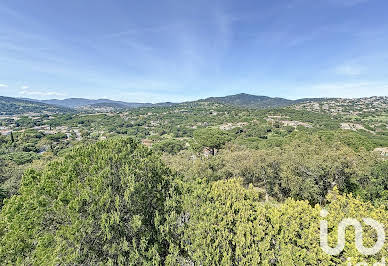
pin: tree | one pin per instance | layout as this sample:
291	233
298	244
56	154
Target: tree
171	146
212	138
300	170
100	204
225	223
376	184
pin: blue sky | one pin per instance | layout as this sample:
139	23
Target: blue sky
153	51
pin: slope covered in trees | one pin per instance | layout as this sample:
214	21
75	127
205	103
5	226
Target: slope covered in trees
12	106
116	203
218	185
248	100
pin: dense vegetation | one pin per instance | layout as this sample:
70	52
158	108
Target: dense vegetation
248	100
101	204
218	185
10	106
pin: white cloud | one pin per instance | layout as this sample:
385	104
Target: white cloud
347	2
27	92
3	86
146	97
348	89
348	70
24	87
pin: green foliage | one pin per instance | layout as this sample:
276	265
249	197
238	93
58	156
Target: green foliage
114	202
376	184
22	157
301	170
346	206
212	138
56	136
25	121
170	146
223	223
11	106
352	139
101	204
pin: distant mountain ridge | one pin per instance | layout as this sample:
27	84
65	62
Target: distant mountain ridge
242	99
12	106
81	102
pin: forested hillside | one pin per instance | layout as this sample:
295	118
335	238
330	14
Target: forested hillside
192	184
135	143
247	100
11	106
80	102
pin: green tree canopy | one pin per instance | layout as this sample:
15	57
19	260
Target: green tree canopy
212	138
225	223
171	146
102	204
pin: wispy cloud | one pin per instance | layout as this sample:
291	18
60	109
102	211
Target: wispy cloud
195	48
347	3
292	38
348	70
37	93
151	97
347	89
3	85
137	30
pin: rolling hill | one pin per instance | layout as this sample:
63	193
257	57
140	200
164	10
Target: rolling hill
81	102
12	106
248	100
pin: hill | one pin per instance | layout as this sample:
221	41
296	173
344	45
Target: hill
107	105
12	106
90	104
248	100
82	102
241	99
346	107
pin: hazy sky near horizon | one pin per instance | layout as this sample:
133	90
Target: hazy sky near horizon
171	50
